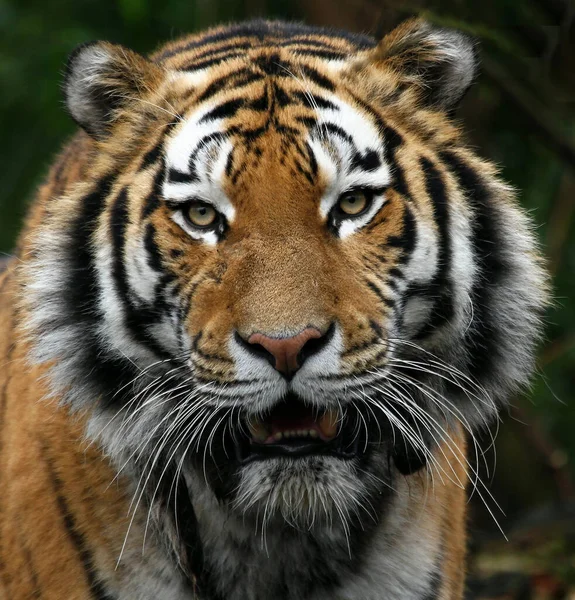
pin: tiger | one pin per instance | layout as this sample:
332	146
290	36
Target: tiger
260	307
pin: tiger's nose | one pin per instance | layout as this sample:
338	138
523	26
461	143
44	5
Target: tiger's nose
288	354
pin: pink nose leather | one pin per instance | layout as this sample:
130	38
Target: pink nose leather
285	350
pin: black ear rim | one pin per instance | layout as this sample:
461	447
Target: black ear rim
72	57
68	70
470	47
474	46
446	76
96	97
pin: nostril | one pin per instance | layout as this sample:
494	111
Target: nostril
255	349
315	345
288	354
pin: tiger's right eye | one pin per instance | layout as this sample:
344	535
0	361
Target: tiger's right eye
200	214
353	203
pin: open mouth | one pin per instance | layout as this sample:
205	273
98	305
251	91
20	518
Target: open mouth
294	429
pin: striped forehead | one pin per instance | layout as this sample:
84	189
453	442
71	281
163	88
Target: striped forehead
349	150
196	157
344	142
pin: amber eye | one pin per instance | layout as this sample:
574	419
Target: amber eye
353	203
200	214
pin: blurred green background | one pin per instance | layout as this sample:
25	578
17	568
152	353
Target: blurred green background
520	114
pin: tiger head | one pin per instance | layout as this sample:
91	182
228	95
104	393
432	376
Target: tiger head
280	274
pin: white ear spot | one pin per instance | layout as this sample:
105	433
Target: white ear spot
102	78
86	66
459	65
440	62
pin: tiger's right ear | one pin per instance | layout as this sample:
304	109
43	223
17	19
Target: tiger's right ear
101	80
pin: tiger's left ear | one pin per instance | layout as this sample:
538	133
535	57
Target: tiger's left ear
102	79
440	63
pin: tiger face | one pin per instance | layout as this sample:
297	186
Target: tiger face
284	323
286	279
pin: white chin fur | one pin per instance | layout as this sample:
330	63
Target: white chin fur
303	492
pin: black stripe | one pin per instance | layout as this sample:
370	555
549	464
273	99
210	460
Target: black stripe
106	373
291	132
315	76
369	161
136	320
310	122
210	62
302	170
312	160
152	200
202	144
259	104
198	43
316	53
155	153
151	156
321	44
215	50
154	257
406	241
440	289
334	130
175	500
249	135
483	337
224	111
175	176
273	65
235	80
313	100
83	291
389	302
97	590
377	329
258	30
393	140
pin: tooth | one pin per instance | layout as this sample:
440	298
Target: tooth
258	431
278	436
328	424
313	433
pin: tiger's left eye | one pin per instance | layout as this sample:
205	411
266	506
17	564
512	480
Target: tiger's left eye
201	215
353	203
